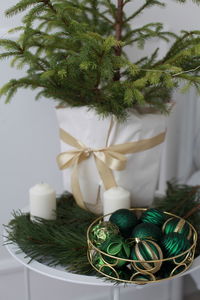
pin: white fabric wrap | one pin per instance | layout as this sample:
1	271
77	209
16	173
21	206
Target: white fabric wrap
141	173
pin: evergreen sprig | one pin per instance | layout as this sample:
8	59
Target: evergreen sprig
184	201
61	242
75	53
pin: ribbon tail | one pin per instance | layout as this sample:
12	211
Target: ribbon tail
105	173
138	146
75	185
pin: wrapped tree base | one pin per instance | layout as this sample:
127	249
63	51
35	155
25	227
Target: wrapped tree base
142	133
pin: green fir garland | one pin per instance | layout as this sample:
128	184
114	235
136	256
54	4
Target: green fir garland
63	242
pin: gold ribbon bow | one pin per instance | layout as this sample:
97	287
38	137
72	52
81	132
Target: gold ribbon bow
107	159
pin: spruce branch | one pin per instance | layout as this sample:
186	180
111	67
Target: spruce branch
76	51
147	4
20	7
97	13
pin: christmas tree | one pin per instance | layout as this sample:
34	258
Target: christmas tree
75	53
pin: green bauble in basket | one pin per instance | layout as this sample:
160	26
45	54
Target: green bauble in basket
125	220
102	231
170	269
177	225
142	278
122	274
174	244
154	216
146	250
116	246
102	266
115	273
147	231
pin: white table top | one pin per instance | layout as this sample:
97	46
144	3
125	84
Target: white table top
61	273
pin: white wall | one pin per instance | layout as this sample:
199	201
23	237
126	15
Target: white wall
29	136
28	145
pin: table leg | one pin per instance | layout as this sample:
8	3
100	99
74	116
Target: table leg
115	293
27	284
176	288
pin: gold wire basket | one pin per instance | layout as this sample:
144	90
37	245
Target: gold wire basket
178	264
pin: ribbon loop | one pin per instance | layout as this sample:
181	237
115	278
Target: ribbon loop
106	159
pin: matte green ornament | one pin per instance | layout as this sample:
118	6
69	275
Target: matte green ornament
102	231
154	216
143	278
170	269
177	225
174	244
146	250
123	274
125	219
147	231
165	270
116	273
116	246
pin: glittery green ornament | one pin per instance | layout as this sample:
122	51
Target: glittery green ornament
174	244
154	216
147	231
102	231
146	250
125	220
116	246
177	225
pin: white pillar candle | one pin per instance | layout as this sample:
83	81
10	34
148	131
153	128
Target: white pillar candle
42	199
116	198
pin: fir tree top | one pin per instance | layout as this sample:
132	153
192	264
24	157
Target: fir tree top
75	53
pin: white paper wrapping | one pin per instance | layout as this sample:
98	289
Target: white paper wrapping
141	173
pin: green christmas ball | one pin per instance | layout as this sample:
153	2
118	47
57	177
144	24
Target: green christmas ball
116	246
125	220
142	278
170	269
147	231
122	274
146	250
102	231
102	266
174	244
165	270
154	216
177	225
